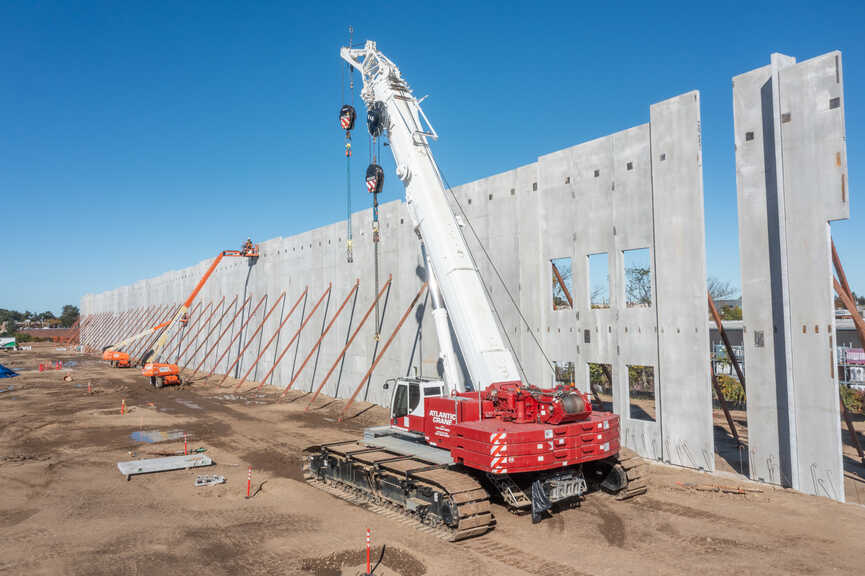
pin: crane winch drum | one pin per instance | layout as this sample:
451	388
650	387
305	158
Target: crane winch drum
347	117
374	178
376	119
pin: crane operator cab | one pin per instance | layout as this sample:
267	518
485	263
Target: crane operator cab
407	401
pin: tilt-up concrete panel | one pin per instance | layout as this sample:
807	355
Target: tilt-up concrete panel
791	171
680	282
587	193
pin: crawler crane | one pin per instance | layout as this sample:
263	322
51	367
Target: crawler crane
452	442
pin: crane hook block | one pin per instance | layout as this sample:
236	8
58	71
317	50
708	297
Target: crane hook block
374	178
346	117
376	119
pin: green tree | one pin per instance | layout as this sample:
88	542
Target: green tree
731	313
69	315
638	286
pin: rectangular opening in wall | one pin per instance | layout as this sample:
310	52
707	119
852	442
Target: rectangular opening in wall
564	373
601	386
638	278
562	284
641	393
599	280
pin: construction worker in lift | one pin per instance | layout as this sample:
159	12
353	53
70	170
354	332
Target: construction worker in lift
247	246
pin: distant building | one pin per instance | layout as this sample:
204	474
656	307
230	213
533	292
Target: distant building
850	352
727	304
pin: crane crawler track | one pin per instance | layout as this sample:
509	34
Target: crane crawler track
636	470
446	503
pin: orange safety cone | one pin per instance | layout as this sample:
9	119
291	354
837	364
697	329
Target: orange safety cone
123	407
367	551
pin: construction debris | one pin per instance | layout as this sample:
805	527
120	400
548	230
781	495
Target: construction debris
208	480
720	488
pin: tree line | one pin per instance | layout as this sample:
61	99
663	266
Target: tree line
68	316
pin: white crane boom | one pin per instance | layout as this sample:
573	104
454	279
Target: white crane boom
449	263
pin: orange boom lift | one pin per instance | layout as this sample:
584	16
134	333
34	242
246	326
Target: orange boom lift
165	373
113	353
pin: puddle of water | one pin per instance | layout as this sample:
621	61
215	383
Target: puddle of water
188	404
153	436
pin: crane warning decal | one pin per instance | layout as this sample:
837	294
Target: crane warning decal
498	452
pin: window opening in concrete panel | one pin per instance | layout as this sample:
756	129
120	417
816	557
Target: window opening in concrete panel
534	186
638	278
630	166
567	179
601	386
513	191
597	173
599	280
749	136
564	373
562	284
834	102
641	393
663	157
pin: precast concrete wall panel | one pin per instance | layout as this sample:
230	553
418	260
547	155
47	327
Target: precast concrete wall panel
598	195
532	271
814	173
680	282
760	246
792	181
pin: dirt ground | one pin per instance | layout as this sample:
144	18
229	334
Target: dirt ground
66	509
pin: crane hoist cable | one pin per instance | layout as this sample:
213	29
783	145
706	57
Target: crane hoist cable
376	117
498	275
347	117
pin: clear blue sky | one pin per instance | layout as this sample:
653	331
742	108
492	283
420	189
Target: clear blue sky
141	137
